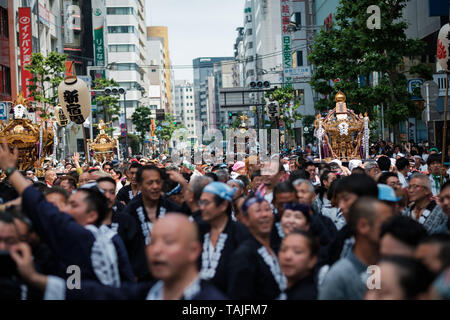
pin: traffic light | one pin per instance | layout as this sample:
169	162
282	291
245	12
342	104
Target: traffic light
230	115
259	84
114	91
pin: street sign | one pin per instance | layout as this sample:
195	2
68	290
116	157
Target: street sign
122	126
3	110
165	123
433	90
297	73
413	84
159	128
123	134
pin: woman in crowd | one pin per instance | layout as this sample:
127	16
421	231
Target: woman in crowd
298	257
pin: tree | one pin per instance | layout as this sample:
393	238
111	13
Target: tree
141	119
108	105
133	142
351	52
47	74
288	104
168	126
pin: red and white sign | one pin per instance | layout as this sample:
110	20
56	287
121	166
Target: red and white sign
25	47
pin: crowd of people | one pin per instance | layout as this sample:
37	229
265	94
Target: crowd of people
294	228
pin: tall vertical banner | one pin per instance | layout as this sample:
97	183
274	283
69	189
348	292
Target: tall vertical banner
25	47
98	23
286	40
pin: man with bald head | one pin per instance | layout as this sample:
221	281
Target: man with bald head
172	256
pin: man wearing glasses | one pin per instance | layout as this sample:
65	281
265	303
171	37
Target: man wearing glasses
423	209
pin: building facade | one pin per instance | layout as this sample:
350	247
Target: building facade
184	106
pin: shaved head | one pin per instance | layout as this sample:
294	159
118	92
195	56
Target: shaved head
174	247
178	223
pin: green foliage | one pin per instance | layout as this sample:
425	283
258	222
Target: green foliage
350	50
108	105
288	106
142	120
167	128
46	76
133	142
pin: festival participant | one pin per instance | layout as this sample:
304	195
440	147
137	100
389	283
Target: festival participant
423	209
172	257
128	192
273	172
192	194
348	190
283	192
220	235
84	178
391	179
58	197
400	236
30	174
256	179
254	271
402	165
238	169
13	287
401	278
434	252
298	257
246	181
444	200
311	168
436	170
106	167
50	177
68	183
146	208
76	238
326	178
295	216
344	280
323	224
384	164
125	226
372	169
116	174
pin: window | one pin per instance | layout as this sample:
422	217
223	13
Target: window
122	29
125	66
299	58
298	19
249	32
4	22
250	45
122	48
120	10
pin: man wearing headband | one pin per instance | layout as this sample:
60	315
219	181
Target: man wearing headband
254	269
220	234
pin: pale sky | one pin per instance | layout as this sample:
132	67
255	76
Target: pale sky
197	28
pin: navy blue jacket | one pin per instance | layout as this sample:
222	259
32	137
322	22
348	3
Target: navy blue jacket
70	242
